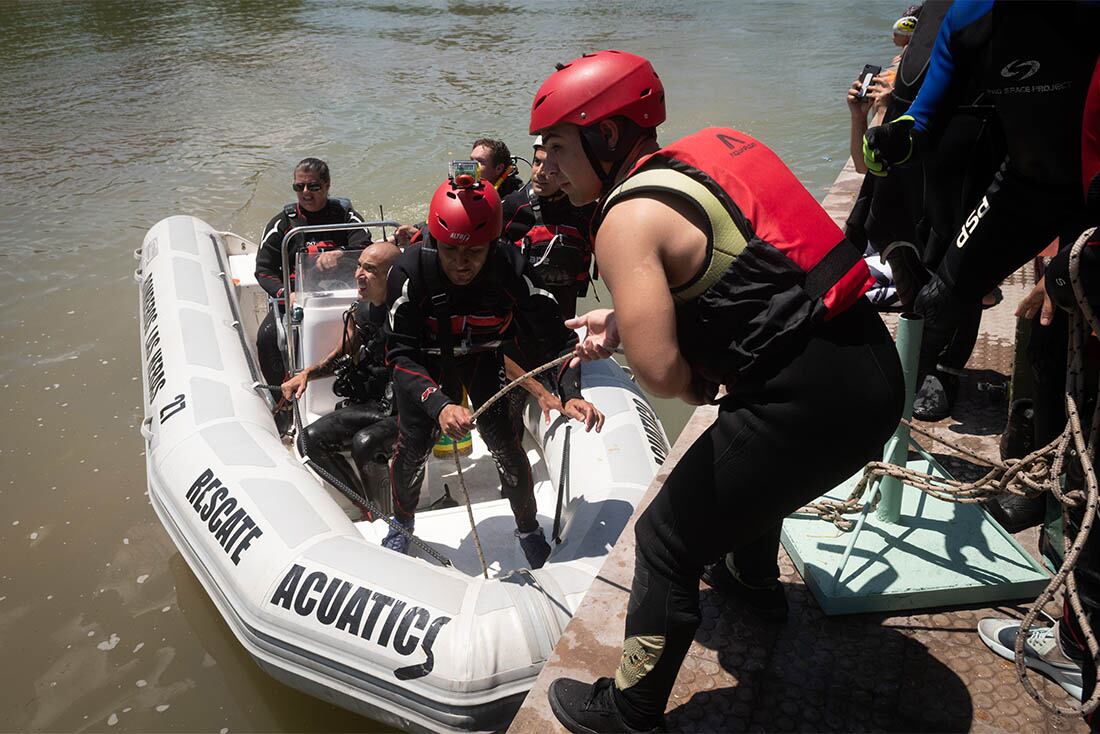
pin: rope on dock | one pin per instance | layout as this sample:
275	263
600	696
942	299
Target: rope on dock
1038	472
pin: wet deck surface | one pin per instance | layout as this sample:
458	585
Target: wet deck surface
921	671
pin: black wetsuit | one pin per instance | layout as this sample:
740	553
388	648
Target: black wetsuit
511	184
269	265
533	222
812	395
504	301
365	421
1033	61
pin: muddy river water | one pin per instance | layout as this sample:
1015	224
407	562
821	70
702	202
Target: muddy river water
117	114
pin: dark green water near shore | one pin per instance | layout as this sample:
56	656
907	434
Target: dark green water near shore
117	114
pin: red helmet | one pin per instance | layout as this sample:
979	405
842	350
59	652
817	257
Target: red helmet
465	216
597	86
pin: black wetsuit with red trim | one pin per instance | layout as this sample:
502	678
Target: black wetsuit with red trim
269	264
537	224
505	301
269	258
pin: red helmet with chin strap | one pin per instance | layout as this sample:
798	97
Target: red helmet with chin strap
465	216
597	86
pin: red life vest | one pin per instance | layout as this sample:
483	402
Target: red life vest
789	266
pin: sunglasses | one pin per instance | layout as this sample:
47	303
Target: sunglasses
312	186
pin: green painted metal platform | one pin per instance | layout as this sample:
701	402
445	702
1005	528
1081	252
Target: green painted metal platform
937	554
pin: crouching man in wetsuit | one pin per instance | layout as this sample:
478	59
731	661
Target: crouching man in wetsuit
453	301
552	233
724	270
364	421
1033	61
313	206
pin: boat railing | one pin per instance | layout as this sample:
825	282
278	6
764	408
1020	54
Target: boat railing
287	311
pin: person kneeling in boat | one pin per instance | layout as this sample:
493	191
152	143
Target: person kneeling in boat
364	422
453	301
313	206
725	271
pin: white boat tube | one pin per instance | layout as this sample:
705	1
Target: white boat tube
309	593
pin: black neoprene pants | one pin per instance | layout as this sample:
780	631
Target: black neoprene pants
369	431
780	441
267	349
957	172
1013	221
482	375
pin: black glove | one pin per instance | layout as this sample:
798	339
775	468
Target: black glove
888	145
908	271
942	311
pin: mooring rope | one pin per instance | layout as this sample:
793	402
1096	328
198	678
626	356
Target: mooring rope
1030	476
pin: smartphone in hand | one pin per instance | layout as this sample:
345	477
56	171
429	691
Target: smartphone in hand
869	72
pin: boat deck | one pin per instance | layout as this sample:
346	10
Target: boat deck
895	671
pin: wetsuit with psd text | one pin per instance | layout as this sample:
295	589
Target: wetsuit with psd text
1033	61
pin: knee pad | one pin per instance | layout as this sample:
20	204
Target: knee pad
372	444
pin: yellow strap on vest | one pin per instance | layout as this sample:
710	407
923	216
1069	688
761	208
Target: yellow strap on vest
726	241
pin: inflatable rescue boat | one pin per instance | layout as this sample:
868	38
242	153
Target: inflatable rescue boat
297	573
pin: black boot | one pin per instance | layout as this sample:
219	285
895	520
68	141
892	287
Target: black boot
936	396
1013	512
589	708
1018	439
908	271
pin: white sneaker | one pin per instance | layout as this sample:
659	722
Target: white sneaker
1042	651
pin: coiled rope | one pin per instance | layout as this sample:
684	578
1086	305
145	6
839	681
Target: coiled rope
1038	472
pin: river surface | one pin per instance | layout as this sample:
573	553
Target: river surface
117	114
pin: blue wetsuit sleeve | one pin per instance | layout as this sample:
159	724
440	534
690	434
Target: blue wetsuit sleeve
944	67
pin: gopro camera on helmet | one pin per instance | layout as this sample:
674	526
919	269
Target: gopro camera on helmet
464	174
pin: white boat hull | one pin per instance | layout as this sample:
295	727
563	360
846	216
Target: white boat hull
310	593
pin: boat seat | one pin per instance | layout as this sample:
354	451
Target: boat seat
322	321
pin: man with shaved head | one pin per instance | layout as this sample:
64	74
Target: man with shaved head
364	422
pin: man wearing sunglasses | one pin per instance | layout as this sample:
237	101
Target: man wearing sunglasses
313	206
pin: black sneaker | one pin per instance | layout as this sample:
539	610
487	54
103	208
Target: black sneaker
770	601
936	397
589	708
535	547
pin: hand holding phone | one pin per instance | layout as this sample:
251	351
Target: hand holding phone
869	72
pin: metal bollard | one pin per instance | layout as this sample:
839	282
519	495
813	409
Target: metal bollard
910	330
